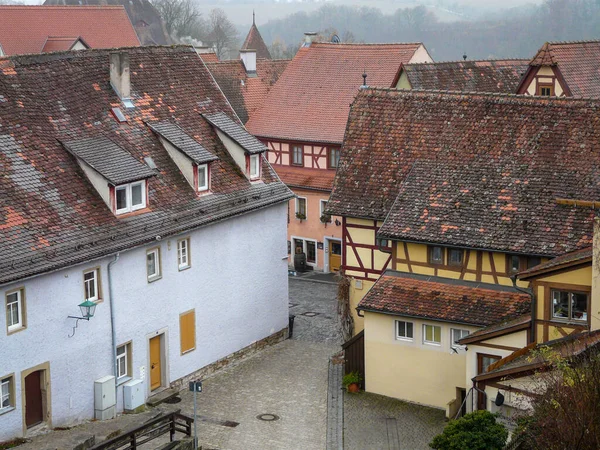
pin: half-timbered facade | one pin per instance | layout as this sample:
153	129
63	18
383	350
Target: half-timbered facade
563	69
445	206
310	103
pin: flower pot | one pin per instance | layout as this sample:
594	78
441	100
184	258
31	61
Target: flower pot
353	388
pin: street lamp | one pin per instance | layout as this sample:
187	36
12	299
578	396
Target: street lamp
88	308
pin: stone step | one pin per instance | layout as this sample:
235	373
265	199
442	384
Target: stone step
162	396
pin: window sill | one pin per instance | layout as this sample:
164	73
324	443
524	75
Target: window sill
123	380
433	344
181	269
7	410
15	330
188	351
153	279
403	339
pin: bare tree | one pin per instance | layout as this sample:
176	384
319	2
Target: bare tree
221	33
181	17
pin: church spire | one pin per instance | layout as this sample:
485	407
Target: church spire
253	18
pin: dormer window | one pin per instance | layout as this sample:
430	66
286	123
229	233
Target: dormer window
203	178
254	167
130	197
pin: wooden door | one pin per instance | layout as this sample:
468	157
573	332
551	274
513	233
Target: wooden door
335	255
483	362
155	368
34	411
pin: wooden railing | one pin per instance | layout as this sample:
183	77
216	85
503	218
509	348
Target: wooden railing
154	428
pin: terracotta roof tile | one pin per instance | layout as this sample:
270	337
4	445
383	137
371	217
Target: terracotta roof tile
254	41
210	57
501	76
312	98
246	94
302	177
443	299
481	335
59	44
51	216
486	169
578	62
568	259
25	29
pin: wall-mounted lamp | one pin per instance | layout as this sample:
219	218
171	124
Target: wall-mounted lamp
337	222
88	308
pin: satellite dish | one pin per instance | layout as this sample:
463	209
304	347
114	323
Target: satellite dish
335	39
499	399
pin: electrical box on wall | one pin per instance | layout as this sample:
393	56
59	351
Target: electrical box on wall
105	399
133	395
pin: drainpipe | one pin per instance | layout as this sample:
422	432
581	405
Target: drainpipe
531	294
112	321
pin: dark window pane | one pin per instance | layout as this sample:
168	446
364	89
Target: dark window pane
455	257
515	263
437	255
579	306
409	330
136	195
533	261
560	304
121	198
311	252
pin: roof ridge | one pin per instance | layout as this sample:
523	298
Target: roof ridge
583	41
532	98
78	7
433	63
349	44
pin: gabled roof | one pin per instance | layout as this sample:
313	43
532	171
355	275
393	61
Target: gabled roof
473	170
306	178
312	98
236	132
108	159
570	259
143	15
502	328
529	359
61	43
254	41
443	299
578	62
180	140
51	215
501	76
246	93
25	29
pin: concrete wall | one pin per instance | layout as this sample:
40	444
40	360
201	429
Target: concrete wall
411	370
237	284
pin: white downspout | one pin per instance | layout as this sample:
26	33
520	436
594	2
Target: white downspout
112	323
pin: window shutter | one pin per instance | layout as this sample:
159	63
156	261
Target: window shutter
187	328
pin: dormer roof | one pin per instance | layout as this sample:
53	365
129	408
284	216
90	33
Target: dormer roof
62	43
236	132
108	159
182	141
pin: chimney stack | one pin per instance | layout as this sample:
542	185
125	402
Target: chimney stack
309	37
248	57
119	74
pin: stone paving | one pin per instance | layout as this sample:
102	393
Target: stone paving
376	422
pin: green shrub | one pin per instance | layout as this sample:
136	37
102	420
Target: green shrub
476	431
352	377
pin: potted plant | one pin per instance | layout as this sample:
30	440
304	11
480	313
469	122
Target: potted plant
325	218
351	381
300	216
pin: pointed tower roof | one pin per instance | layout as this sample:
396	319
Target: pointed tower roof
544	56
254	41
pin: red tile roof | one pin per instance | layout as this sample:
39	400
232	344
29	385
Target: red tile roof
476	170
254	41
59	44
301	177
210	57
444	299
576	257
501	76
578	62
312	98
25	29
50	214
510	325
246	93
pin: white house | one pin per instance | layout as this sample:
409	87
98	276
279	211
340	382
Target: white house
128	182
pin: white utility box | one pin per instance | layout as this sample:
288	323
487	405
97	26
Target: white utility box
105	399
133	395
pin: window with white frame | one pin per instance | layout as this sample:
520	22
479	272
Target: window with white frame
254	166
404	330
6	393
124	361
15	317
569	305
301	208
130	197
153	264
203	182
456	334
183	253
323	205
90	285
432	334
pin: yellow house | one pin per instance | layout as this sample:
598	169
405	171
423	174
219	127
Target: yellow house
441	193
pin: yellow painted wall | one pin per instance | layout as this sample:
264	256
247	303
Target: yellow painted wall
403	82
412	371
358	289
595	308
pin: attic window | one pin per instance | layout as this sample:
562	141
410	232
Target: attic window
254	167
119	115
130	197
203	178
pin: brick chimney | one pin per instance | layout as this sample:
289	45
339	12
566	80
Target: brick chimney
248	57
119	74
309	37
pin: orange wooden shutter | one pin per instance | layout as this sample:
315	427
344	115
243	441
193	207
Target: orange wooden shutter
187	328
